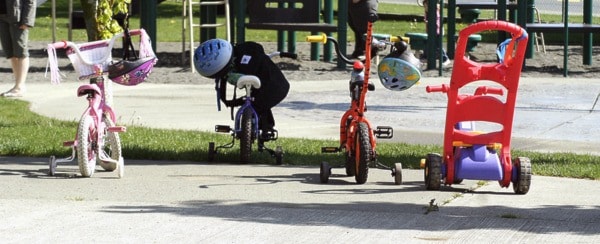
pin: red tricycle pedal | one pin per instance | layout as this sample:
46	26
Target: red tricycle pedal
330	150
384	132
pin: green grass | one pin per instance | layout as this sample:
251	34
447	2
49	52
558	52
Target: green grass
37	136
169	24
25	133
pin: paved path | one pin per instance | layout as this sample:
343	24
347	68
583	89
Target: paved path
185	202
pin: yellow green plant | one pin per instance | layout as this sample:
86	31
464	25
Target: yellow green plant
106	25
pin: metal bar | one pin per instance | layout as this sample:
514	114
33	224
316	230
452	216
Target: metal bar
587	37
566	37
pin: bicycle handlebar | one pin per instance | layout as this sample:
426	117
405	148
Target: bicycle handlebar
375	43
110	42
288	55
283	54
323	39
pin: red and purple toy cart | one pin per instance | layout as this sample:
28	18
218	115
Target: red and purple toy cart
479	155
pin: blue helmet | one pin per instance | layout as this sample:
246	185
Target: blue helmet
212	57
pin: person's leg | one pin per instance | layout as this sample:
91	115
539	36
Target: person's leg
359	44
358	16
20	67
19	59
267	121
6	42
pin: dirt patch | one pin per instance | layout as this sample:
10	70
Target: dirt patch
173	66
543	64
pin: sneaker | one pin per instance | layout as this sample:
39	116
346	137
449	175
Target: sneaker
446	63
268	135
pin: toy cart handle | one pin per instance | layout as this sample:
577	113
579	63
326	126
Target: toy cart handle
439	88
515	30
483	90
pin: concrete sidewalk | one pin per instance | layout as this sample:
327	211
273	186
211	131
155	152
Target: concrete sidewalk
190	202
172	201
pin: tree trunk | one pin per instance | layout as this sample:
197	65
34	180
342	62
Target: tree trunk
89	14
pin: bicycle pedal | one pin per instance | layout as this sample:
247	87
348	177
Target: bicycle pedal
330	149
69	143
384	132
222	128
117	129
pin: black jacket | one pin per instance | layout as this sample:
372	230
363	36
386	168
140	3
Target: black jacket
249	58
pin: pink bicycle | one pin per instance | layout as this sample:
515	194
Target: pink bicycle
97	140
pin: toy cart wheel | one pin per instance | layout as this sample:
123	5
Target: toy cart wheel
325	172
433	171
211	151
523	180
52	166
278	155
398	173
456	152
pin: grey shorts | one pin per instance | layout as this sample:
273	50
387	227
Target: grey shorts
14	40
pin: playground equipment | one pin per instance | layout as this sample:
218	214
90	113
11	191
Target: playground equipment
479	155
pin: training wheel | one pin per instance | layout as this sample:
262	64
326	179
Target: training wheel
121	167
52	166
211	151
325	172
279	155
397	172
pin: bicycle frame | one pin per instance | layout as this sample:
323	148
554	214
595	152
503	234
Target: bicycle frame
96	128
357	136
240	131
238	118
97	110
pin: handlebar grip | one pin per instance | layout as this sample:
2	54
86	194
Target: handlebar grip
317	38
59	45
395	39
493	90
288	55
135	32
440	88
482	90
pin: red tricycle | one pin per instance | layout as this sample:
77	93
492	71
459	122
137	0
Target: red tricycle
481	155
